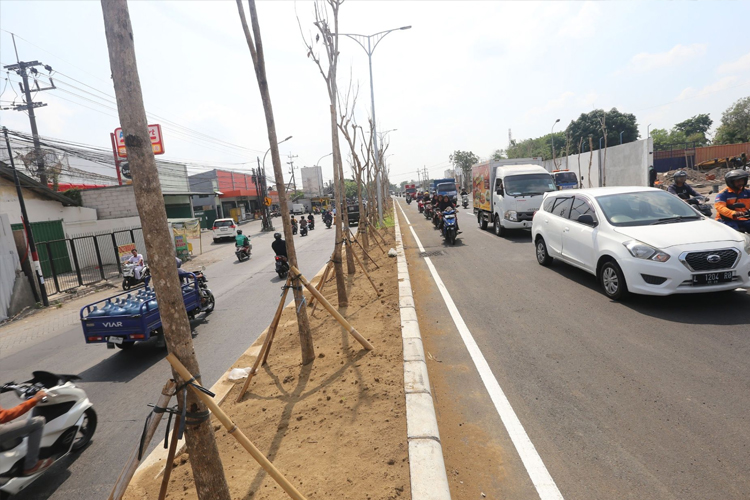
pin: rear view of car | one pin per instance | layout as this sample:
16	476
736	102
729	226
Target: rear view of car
224	228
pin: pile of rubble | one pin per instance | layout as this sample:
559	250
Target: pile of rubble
695	177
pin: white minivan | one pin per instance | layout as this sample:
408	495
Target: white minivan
298	208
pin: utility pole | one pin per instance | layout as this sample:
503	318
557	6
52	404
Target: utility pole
205	460
291	171
27	226
21	68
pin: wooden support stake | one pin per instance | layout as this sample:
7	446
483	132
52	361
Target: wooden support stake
153	422
376	240
170	458
236	432
354	238
362	267
374	230
322	281
266	347
349	328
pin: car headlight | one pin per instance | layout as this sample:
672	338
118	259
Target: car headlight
747	243
511	215
643	251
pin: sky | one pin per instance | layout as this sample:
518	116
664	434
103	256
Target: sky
463	76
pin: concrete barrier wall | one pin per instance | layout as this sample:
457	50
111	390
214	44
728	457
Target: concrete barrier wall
9	263
626	165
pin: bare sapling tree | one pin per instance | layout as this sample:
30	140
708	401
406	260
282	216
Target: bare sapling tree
580	153
591	157
603	126
348	127
328	70
205	462
255	44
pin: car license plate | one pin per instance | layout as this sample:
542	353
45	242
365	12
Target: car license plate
115	340
713	278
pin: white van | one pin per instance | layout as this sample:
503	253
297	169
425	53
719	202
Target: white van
508	195
298	208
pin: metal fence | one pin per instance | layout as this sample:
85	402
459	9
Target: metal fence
85	259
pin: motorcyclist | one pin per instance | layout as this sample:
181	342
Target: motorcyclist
682	189
303	223
279	245
327	217
242	241
136	259
444	204
463	192
12	428
728	201
311	220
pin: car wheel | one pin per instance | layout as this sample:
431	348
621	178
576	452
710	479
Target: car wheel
86	432
216	240
542	256
498	227
613	281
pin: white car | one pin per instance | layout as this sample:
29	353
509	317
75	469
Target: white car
224	228
642	240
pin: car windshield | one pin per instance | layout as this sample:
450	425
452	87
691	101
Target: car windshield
645	208
446	187
566	178
223	223
529	184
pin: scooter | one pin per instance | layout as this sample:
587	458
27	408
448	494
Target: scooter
699	203
282	266
436	218
71	422
408	200
465	200
208	302
303	230
311	224
294	228
128	276
242	253
328	221
428	210
420	206
450	230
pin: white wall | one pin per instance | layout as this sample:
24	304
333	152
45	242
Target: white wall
111	202
99	226
626	164
39	208
8	264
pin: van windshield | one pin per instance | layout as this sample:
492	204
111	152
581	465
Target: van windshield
446	187
529	184
566	178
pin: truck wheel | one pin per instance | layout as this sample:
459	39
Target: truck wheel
498	227
481	221
125	345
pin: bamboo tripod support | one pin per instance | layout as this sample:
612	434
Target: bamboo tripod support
118	491
355	240
348	248
322	282
344	323
376	239
170	459
236	432
260	359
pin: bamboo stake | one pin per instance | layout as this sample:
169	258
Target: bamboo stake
354	238
153	422
266	347
374	230
376	240
363	268
349	328
236	432
170	459
322	281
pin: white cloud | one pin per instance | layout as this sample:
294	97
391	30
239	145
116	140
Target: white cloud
740	65
678	54
723	84
584	24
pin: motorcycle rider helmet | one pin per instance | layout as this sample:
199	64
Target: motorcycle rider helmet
277	236
680	174
733	176
239	231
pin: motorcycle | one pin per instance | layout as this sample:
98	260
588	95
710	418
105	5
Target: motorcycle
465	200
420	206
71	422
311	224
428	210
699	204
450	230
294	228
328	220
408	200
128	276
436	218
303	230
208	302
242	253
282	266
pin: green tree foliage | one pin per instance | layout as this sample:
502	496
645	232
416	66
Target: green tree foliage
541	146
463	160
351	188
735	123
589	125
692	130
499	154
74	194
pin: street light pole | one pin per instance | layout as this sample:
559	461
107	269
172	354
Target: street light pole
267	224
317	164
369	49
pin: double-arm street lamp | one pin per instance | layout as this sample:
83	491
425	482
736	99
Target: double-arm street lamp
260	185
317	164
369	43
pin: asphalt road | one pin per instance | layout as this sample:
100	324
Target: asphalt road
121	383
643	399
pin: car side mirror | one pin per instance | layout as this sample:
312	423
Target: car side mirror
587	219
499	190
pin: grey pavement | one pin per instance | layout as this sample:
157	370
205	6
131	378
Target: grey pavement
121	383
641	399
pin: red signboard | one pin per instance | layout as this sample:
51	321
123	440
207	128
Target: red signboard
157	141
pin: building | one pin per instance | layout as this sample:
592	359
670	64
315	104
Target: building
221	194
312	181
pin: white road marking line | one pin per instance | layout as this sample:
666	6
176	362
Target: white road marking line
540	476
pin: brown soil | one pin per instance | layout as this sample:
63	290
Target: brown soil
337	427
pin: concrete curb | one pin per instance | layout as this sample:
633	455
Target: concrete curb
221	388
429	480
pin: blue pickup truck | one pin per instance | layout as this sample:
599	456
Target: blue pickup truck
133	316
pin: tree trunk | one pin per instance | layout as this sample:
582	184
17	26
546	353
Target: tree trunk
362	228
256	51
208	472
338	195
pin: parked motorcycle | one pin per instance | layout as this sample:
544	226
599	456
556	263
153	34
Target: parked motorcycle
242	253
465	200
128	276
71	422
282	266
420	206
450	230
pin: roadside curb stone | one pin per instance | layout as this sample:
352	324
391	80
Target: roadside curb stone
429	480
